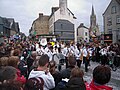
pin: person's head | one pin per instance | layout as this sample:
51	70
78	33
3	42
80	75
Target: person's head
33	54
67	45
71	61
9	74
36	60
3	61
16	52
13	61
102	74
76	81
77	72
11	85
51	48
43	61
52	66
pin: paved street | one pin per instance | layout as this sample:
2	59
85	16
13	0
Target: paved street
115	77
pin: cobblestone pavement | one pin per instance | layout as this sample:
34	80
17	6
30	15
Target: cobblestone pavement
115	76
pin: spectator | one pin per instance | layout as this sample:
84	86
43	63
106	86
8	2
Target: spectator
101	76
12	85
8	79
76	81
3	61
43	72
65	73
55	74
9	73
30	60
16	52
14	61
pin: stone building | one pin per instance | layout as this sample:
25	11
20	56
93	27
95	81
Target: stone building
8	27
14	26
82	33
61	22
40	26
111	18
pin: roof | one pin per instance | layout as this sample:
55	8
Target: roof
82	25
118	1
38	19
12	22
1	20
56	8
5	22
93	13
72	13
17	27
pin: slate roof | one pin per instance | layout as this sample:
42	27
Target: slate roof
109	5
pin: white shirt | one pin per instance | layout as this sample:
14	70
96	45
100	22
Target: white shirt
40	51
77	53
66	51
50	54
49	82
85	52
90	51
103	51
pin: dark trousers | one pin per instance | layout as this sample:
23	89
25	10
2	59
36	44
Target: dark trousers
79	63
86	63
103	59
117	61
66	61
97	57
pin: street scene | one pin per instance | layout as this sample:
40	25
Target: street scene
60	45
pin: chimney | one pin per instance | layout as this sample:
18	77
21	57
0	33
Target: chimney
63	6
82	24
40	15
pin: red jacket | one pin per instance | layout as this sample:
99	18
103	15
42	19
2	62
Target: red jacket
20	78
92	86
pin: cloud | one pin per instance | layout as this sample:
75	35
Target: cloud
26	11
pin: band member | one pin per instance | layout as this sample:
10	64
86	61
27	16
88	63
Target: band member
85	57
77	55
67	52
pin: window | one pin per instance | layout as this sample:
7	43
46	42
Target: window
110	31
114	10
118	19
85	33
61	26
69	14
109	21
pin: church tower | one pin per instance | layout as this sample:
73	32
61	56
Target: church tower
94	28
63	6
92	18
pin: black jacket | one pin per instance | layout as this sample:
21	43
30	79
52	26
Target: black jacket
75	83
65	73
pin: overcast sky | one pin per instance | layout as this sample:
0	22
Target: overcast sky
26	11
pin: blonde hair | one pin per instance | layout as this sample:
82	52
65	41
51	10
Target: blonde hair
13	61
3	61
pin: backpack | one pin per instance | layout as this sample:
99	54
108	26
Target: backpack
34	84
61	85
